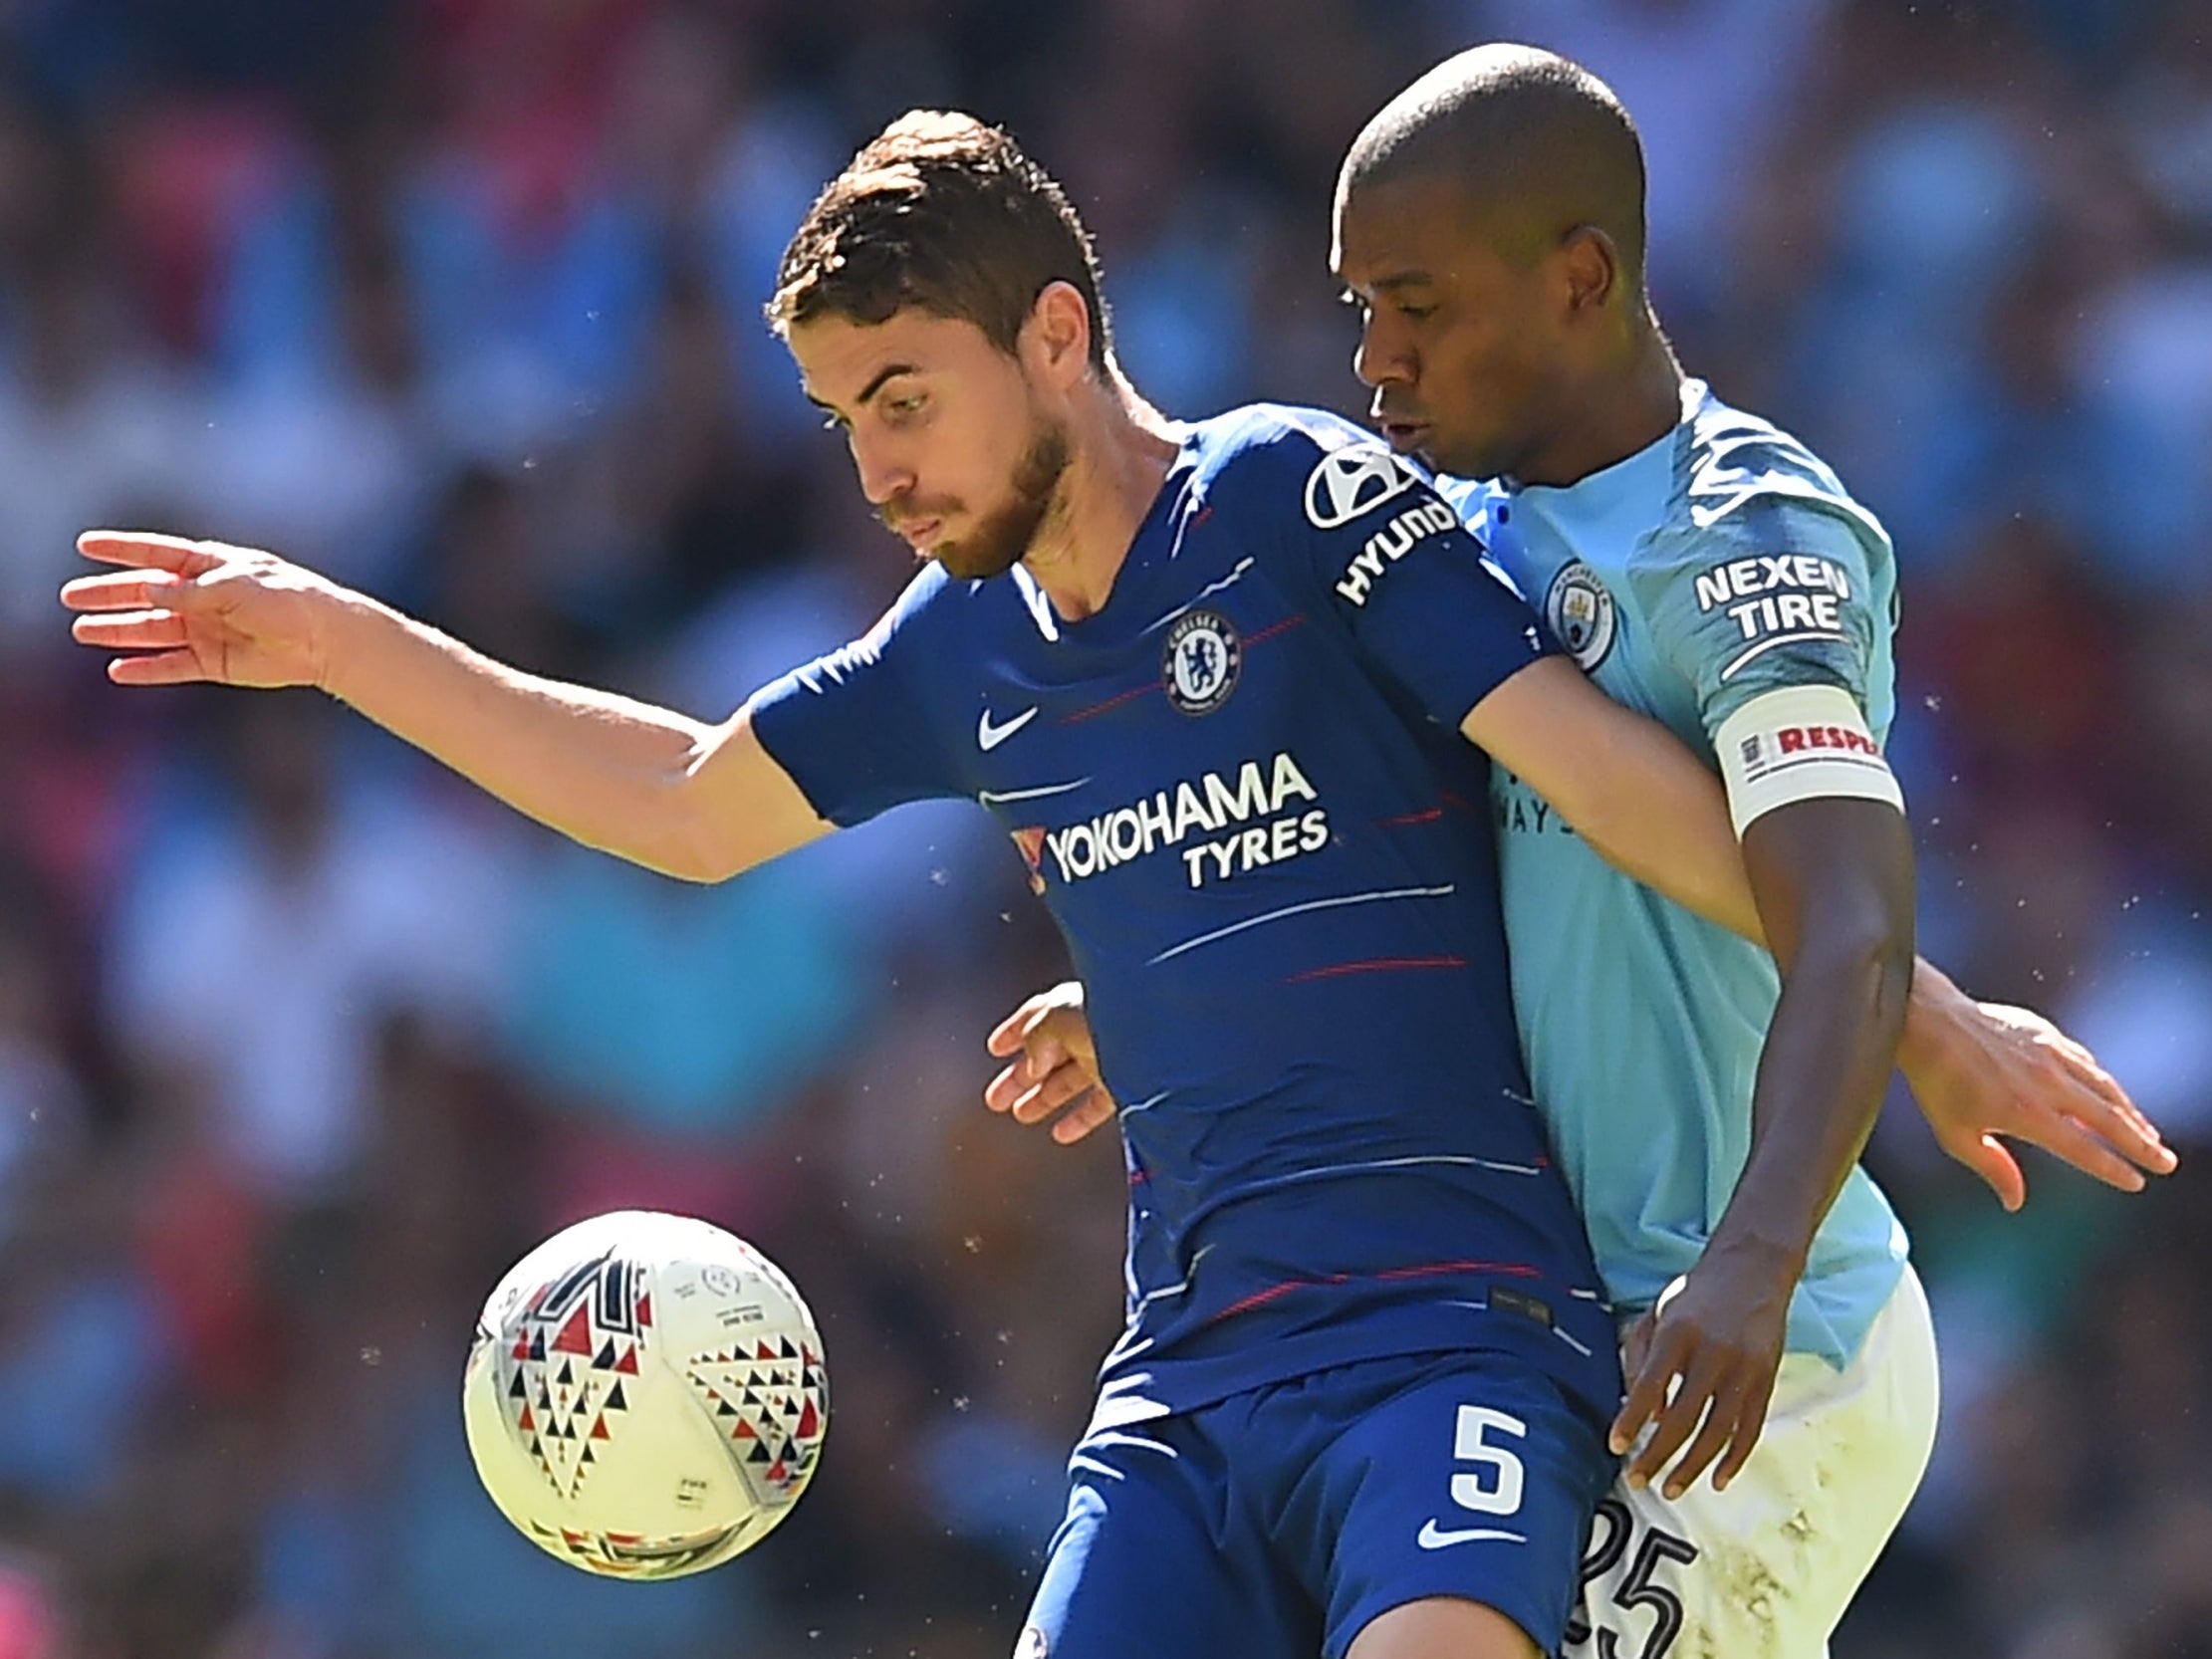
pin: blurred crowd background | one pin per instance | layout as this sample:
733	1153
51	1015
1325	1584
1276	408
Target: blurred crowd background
301	1043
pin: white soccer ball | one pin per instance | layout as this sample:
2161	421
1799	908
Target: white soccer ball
646	1395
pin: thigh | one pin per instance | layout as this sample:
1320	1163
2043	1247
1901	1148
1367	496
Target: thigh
1147	1566
1765	1570
1462	1479
1443	1627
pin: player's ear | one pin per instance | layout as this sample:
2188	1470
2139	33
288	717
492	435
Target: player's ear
1590	265
1058	334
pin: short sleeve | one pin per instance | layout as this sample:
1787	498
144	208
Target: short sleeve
1390	561
1781	591
852	728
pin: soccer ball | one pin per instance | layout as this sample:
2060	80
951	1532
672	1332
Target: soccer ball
646	1395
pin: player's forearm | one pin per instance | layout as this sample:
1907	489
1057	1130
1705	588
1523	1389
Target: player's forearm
1828	1058
1624	784
1834	881
602	769
1655	813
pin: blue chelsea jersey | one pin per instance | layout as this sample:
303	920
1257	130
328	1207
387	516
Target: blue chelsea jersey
1241	791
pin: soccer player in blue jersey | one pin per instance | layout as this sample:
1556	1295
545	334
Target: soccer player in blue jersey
1704	568
1361	1405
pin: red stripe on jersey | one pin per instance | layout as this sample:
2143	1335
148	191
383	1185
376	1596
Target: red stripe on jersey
1451	800
1136	692
1273	628
1405	819
1378	965
1112	702
1427	1269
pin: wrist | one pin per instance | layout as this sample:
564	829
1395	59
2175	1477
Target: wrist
1760	1250
1929	1011
337	627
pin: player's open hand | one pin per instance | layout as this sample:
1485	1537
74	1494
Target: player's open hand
1701	1367
1981	1070
187	610
1055	1067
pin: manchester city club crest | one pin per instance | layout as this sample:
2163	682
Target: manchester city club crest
1201	662
1578	609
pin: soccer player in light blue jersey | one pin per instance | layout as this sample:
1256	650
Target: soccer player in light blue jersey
1705	569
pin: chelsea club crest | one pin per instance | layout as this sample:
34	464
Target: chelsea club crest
1578	609
1200	665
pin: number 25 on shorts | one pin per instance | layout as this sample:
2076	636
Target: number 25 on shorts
1607	1594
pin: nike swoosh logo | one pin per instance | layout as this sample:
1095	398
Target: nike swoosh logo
988	736
1433	1536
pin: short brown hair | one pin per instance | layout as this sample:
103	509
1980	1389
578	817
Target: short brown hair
945	214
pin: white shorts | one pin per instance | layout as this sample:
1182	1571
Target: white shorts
1765	1570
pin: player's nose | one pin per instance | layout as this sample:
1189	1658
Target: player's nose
885	477
1379	360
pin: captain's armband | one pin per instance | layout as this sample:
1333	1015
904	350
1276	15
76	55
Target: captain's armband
1797	744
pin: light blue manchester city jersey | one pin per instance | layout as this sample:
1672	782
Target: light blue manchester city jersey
1722	562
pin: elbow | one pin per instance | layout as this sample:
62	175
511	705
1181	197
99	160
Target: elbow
1863	950
697	853
677	838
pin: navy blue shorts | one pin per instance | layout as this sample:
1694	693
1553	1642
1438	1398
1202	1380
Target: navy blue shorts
1278	1524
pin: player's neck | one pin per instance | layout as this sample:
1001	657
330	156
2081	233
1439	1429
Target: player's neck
1613	415
1120	451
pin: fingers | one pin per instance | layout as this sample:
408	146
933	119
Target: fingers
2066	1139
141	630
167	668
1714	1437
1068	1031
1089	1109
146	551
1633	1347
1751	1423
2097	1096
2112	1115
1003	1090
1013	1083
124	590
1719	1406
1646	1388
1059	1087
1700	1378
1986	1156
1009	1034
2064	1079
1092	1112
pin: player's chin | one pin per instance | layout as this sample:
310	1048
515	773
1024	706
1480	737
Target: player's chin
968	562
1456	456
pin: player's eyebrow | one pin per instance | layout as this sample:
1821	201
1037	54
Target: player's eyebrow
1397	282
889	372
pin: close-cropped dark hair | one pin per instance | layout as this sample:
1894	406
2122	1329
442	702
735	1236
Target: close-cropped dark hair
944	214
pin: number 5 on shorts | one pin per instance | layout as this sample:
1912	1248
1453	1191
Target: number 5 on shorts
1494	1489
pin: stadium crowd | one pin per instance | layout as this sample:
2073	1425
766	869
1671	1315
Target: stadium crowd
302	1043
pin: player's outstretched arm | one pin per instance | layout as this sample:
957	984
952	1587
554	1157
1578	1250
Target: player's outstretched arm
1984	1070
649	784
